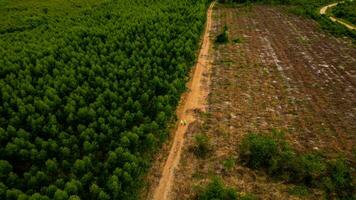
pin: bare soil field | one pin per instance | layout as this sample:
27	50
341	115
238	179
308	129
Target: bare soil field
285	74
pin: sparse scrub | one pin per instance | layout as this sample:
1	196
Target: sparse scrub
237	40
298	191
272	153
202	145
229	163
216	190
223	37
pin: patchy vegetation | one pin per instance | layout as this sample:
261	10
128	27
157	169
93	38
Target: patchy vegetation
223	37
216	190
310	8
273	154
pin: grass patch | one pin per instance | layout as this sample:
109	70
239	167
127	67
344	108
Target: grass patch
273	154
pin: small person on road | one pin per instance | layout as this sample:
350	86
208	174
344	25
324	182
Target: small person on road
183	122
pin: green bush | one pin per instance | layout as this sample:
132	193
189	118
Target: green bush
298	191
216	190
272	153
202	145
223	37
340	180
258	150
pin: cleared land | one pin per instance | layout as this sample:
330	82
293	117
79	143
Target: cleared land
285	74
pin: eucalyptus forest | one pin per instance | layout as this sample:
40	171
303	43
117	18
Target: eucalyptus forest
86	94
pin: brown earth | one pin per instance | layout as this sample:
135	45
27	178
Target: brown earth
286	74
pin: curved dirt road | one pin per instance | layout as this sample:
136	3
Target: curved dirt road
194	99
324	9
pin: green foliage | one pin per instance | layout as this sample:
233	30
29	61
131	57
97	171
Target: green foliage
202	145
272	153
346	11
216	190
86	91
229	163
17	15
247	196
298	191
223	37
258	150
340	180
5	168
60	195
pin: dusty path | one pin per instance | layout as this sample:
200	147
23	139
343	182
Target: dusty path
193	100
324	9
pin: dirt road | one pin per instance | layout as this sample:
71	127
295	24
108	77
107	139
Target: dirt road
194	99
324	9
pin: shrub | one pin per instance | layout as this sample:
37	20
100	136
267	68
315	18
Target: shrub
202	145
216	190
223	37
340	178
229	163
298	191
258	150
272	153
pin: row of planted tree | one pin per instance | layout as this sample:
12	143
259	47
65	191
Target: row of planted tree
84	101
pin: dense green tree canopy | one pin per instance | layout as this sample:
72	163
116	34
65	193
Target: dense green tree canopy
84	99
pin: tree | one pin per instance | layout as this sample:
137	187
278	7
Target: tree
52	166
5	168
60	195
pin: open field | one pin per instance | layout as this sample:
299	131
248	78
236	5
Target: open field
282	73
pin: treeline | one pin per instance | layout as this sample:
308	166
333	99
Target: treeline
84	101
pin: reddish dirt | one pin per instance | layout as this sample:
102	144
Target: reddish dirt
286	74
192	101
